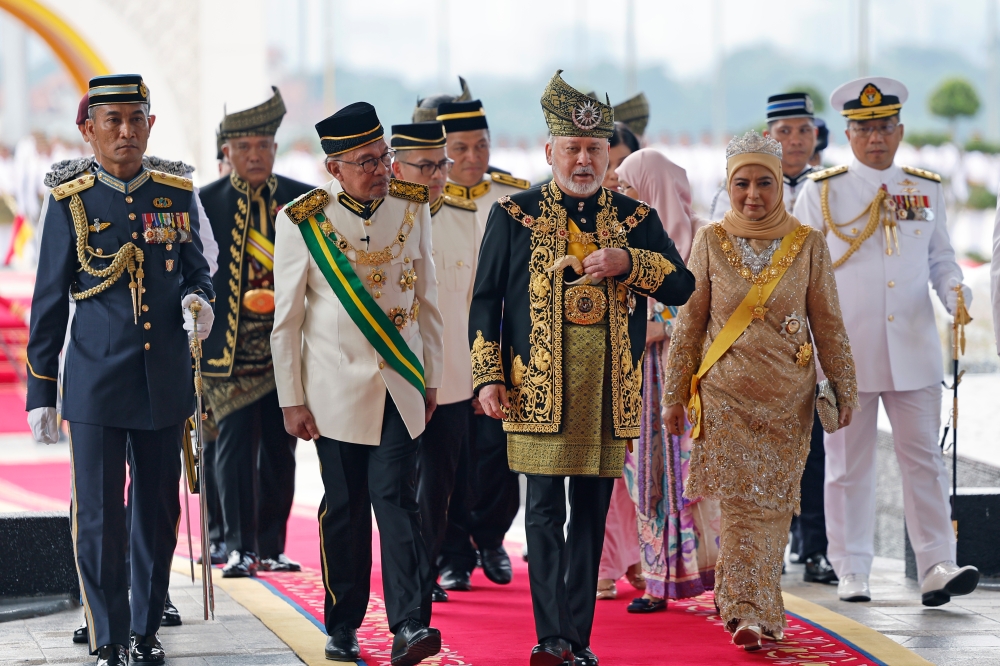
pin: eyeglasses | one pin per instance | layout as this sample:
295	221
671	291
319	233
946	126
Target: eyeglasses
370	165
884	129
427	169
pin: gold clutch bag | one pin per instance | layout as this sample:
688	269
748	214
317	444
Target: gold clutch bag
826	407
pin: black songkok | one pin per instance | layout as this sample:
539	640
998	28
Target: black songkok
353	126
418	136
462	116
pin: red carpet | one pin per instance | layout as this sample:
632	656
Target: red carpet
13	418
492	625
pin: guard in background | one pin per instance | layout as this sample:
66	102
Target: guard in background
421	158
357	356
124	242
487	496
238	370
888	236
564	273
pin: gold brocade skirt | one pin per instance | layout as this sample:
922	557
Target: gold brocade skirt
751	554
586	446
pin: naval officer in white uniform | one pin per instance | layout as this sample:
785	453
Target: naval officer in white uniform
887	233
357	347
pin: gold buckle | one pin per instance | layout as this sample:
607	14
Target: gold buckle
585	304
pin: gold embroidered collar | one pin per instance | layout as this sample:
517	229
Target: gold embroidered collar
121	185
362	210
436	205
243	187
474	192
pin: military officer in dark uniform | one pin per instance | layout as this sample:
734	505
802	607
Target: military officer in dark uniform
239	373
565	270
124	242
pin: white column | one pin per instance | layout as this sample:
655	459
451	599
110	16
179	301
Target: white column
14	44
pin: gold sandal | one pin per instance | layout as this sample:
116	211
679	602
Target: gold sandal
604	592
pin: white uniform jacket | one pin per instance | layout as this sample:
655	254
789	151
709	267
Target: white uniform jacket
457	237
884	298
321	358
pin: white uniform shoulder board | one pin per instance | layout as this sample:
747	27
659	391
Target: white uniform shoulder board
828	173
922	173
458	202
507	179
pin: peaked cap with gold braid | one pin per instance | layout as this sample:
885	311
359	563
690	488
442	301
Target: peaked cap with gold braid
569	112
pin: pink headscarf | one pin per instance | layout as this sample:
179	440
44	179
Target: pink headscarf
664	186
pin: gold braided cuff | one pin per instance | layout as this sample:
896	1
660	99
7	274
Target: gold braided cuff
486	367
649	269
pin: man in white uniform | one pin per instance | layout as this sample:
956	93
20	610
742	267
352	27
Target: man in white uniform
486	496
790	122
887	233
357	347
420	158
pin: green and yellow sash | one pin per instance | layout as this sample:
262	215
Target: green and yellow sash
364	311
740	320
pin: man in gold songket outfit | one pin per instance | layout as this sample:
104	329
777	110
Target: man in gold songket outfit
741	360
565	271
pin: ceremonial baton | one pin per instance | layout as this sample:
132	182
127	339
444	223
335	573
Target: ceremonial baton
957	349
207	590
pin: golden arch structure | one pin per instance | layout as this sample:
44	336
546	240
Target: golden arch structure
179	47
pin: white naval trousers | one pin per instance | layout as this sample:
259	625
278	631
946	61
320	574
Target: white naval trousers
850	481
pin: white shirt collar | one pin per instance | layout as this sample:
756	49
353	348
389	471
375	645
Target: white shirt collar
874	176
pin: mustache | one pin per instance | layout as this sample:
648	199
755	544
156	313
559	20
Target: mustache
584	171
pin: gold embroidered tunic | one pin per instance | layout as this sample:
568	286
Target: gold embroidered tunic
519	325
758	399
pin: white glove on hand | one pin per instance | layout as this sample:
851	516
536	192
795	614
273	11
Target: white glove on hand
42	421
205	317
951	302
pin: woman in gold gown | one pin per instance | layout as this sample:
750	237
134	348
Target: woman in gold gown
741	362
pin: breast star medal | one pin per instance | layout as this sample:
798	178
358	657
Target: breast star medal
758	311
792	324
804	355
408	279
398	317
376	280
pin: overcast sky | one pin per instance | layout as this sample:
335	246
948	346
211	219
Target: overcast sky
521	38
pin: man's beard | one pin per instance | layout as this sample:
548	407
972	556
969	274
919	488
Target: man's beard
578	189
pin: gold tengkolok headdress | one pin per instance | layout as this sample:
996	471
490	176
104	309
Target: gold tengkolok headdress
261	120
569	112
634	112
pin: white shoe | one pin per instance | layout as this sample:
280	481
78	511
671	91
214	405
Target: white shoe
945	580
854	587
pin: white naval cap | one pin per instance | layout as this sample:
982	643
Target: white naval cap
869	98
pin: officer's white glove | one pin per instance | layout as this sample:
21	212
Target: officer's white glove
205	317
951	301
42	421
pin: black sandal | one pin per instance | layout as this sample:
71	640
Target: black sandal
643	605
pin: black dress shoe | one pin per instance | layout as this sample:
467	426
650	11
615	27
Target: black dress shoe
552	651
80	633
146	650
279	563
819	570
585	657
643	605
343	645
496	565
240	565
171	616
217	551
453	579
438	594
112	655
414	642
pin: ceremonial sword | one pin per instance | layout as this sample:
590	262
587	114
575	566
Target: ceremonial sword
207	590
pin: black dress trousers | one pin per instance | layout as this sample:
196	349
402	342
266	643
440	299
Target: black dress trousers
99	528
438	452
811	522
234	475
277	478
357	479
563	571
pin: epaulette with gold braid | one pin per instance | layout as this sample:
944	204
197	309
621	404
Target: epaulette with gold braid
80	184
307	205
458	202
180	182
827	173
404	189
507	179
922	173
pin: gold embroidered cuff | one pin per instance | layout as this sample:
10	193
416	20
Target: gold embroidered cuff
486	367
648	270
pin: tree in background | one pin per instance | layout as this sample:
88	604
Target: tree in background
818	98
955	98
